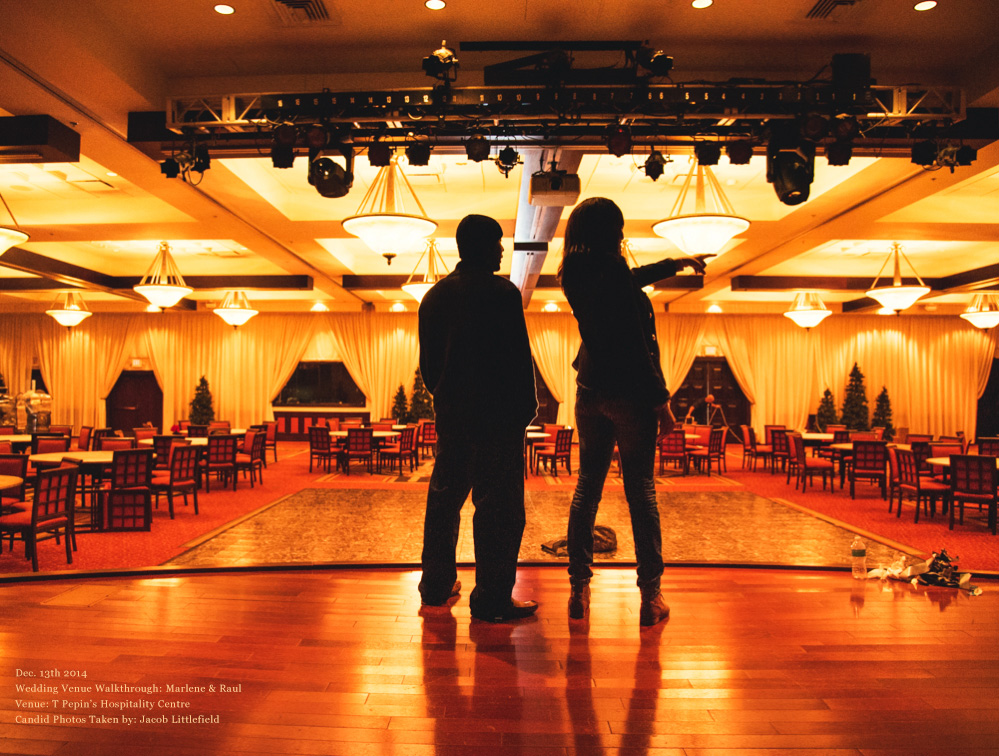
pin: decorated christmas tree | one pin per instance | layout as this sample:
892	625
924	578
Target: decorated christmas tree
826	415
422	404
400	406
882	414
202	411
855	413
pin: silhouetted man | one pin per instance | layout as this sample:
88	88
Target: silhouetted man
476	361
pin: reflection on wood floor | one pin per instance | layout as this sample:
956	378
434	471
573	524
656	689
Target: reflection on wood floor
346	662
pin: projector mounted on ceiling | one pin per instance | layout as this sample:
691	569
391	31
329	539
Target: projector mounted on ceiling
553	188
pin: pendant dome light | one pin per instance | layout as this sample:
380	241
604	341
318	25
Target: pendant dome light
713	222
417	289
235	309
163	285
69	309
386	220
983	312
896	296
807	310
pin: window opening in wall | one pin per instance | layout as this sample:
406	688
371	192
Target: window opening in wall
320	383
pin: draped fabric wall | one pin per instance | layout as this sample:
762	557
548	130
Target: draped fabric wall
934	368
81	364
381	351
554	343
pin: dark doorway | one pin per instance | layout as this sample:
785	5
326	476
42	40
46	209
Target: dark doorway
988	406
712	375
136	399
547	406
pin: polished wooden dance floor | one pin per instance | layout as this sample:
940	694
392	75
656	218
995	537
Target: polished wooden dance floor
346	662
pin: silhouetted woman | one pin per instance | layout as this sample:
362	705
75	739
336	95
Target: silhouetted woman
619	390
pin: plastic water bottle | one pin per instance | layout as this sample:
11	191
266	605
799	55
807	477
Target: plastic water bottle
858	554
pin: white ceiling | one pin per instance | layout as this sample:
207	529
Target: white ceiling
90	64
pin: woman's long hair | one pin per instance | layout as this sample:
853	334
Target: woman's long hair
595	226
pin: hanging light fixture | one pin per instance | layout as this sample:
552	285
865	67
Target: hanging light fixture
235	309
10	237
807	310
633	263
163	285
713	223
382	221
417	289
69	309
983	312
896	296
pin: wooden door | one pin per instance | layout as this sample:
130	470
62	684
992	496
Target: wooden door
712	375
136	399
988	406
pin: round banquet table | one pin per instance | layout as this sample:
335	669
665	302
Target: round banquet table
10	481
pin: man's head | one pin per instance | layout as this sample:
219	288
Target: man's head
480	241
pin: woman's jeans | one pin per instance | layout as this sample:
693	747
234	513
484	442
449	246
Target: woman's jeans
601	421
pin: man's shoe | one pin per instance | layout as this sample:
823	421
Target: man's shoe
455	591
579	601
513	611
653	611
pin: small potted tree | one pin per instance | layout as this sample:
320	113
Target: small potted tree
202	409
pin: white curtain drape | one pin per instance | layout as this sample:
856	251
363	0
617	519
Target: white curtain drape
679	338
554	343
381	352
17	351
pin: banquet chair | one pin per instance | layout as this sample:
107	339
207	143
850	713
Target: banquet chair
560	450
974	478
113	443
6	430
894	477
321	446
901	435
714	450
251	458
98	434
869	462
864	436
50	511
144	432
807	467
925	490
988	446
404	448
547	444
6	447
382	426
760	451
125	499
220	460
83	440
197	431
360	445
184	425
180	477
219	427
781	449
748	451
163	448
833	427
49	444
940	449
61	430
17	466
879	432
768	433
673	448
270	439
915	438
922	451
428	438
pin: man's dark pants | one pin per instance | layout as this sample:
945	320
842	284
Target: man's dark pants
489	463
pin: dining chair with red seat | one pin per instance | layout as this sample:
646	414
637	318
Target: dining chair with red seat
83	440
6	447
125	498
781	449
184	425
321	447
546	444
760	451
806	468
427	439
869	461
915	438
768	431
402	449
974	479
359	445
61	430
988	446
748	448
6	430
940	449
162	449
833	427
560	450
250	459
144	432
15	465
219	427
901	435
197	431
113	443
673	448
270	439
49	444
714	450
50	511
220	460
879	432
383	426
921	450
925	490
180	477
894	477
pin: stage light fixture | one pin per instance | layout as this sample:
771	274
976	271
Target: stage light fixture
924	153
965	155
170	168
418	153
202	160
739	153
477	148
655	165
655	62
839	153
814	127
330	178
790	163
379	154
844	128
317	137
707	153
285	134
282	155
618	140
441	63
507	159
